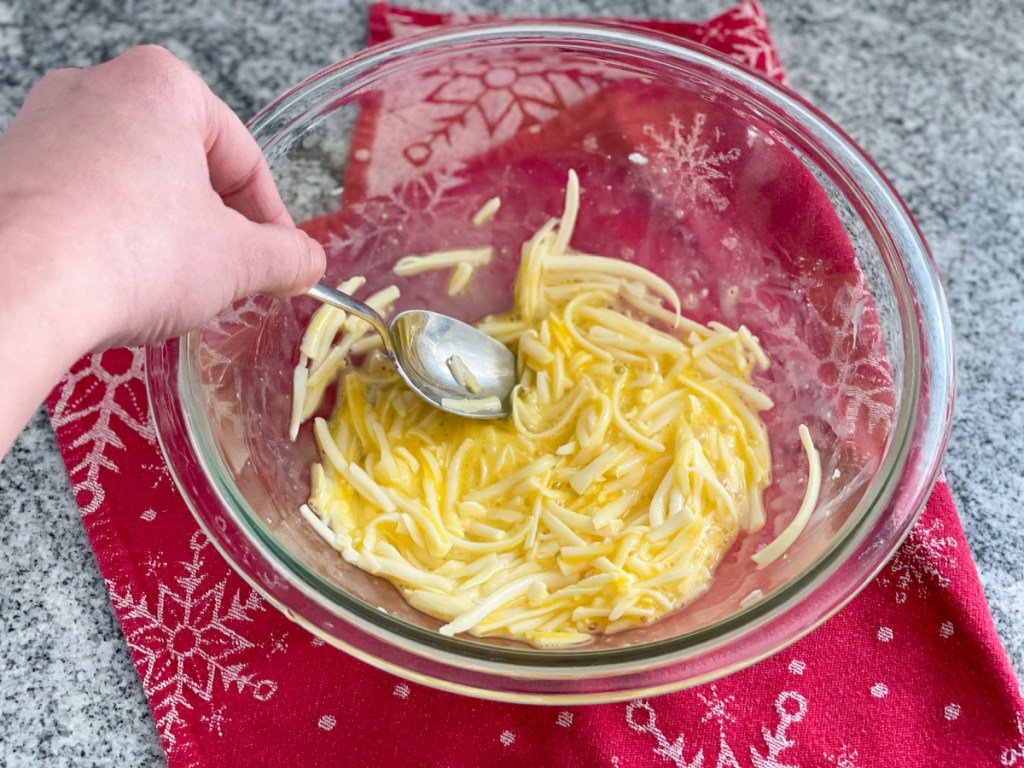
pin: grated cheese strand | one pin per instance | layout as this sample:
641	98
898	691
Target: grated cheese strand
462	375
415	265
460	279
785	540
487	212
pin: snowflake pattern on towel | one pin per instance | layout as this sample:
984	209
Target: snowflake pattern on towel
923	564
191	642
790	708
1014	754
99	399
471	105
697	168
468	106
743	34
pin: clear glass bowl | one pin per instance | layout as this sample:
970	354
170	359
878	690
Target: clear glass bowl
755	206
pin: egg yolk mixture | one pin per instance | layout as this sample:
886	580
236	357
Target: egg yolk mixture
633	457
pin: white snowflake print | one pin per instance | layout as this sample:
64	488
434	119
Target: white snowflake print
379	225
751	43
857	352
1015	755
161	476
925	559
687	158
153	566
426	195
790	706
246	313
501	96
118	375
468	105
160	473
465	107
189	642
716	708
641	717
845	758
214	721
278	643
401	25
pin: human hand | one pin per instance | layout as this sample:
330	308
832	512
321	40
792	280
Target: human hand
139	194
134	206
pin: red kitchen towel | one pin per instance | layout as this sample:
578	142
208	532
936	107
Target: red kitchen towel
910	673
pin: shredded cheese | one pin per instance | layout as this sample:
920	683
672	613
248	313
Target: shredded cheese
473	405
796	526
486	212
460	279
633	457
464	262
462	375
415	265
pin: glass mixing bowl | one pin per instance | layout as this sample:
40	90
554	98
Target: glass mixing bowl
757	209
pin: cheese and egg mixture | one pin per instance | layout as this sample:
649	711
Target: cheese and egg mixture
633	457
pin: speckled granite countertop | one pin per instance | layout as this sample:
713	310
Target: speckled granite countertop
932	90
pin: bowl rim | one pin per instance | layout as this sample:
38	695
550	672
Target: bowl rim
934	385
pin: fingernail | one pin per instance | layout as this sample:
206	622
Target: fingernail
315	259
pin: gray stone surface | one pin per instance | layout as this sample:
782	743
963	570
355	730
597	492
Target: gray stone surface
931	89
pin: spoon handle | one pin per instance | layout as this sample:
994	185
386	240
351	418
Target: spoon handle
335	298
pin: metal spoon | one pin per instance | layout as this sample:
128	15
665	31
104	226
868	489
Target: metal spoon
422	345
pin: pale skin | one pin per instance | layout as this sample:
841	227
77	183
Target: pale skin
134	206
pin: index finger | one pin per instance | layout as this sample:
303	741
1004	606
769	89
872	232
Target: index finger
238	170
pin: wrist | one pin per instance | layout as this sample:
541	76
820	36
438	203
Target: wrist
45	281
41	331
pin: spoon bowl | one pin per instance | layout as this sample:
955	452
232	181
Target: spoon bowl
450	364
430	348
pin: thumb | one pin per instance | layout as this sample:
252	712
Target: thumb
280	260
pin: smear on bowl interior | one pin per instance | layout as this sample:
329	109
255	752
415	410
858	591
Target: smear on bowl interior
634	456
